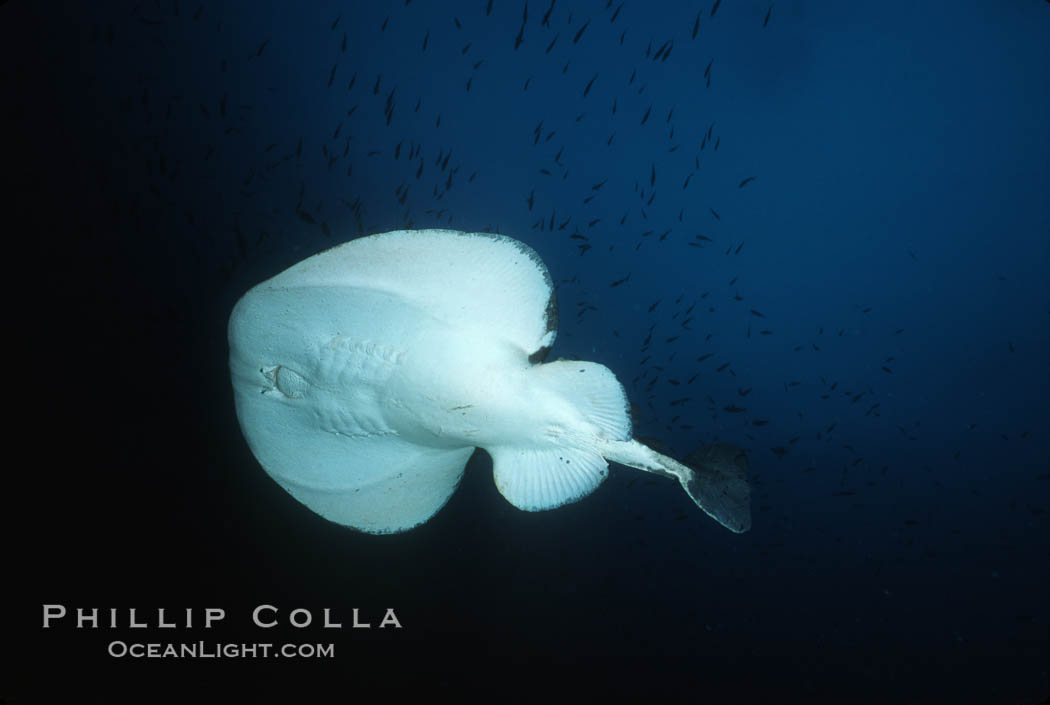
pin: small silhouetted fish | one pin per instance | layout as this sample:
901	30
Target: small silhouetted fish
734	409
580	33
545	22
714	8
746	181
722	367
757	313
704	357
768	13
663	48
620	281
646	116
779	451
696	25
590	83
715	214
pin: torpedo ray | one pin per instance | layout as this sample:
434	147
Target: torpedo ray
365	376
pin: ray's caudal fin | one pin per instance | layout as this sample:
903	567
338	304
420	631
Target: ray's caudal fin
716	482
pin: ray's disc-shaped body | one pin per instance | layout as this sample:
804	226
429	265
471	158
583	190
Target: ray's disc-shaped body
365	376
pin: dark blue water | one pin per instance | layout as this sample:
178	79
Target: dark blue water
871	185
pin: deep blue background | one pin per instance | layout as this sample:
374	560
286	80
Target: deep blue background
895	238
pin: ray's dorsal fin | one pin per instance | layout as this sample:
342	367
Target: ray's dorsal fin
566	467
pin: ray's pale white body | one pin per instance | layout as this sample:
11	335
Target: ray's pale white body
365	376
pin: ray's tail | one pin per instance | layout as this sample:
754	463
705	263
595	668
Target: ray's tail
715	478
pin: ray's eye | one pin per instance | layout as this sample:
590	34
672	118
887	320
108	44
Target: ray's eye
290	383
287	381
